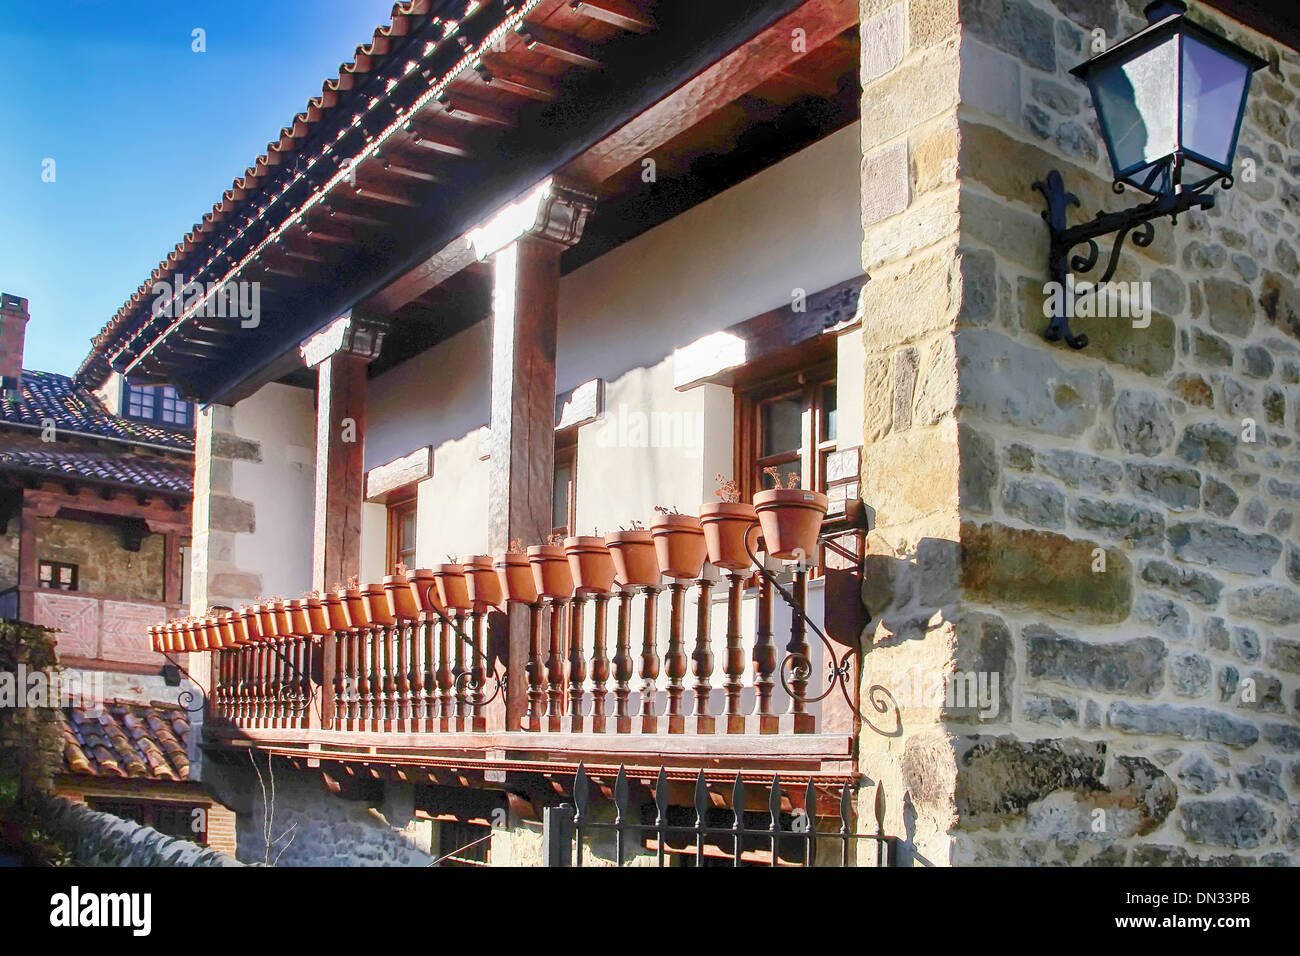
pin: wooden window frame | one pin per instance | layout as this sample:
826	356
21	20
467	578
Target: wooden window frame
809	381
163	401
397	509
566	452
55	567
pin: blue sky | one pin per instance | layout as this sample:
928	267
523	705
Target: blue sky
145	135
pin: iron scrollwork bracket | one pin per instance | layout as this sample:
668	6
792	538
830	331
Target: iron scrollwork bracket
839	666
1138	221
186	697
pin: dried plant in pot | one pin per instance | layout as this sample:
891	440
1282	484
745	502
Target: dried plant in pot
551	572
633	551
247	629
453	589
590	563
424	589
281	619
226	628
155	638
401	602
358	615
265	620
516	575
317	616
791	519
299	625
482	581
210	632
727	523
336	610
376	601
679	543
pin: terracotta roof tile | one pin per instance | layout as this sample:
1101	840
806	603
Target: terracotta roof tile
126	739
48	396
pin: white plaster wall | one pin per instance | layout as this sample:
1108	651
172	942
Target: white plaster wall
110	393
281	487
742	253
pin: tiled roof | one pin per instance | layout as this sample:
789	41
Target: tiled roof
124	739
74	408
152	472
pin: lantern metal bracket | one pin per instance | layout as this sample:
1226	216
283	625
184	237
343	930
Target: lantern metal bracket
188	699
1137	221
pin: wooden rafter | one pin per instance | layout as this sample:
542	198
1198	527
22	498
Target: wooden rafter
767	55
499	74
621	13
558	46
473	110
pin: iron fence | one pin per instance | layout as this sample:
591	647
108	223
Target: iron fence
656	831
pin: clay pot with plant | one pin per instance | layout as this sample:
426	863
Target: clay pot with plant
679	543
590	563
790	517
482	582
299	624
317	616
516	575
633	551
376	600
550	566
453	588
335	608
424	589
729	524
397	591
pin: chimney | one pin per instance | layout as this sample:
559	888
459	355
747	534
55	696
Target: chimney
13	331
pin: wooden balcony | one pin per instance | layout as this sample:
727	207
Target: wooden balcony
689	673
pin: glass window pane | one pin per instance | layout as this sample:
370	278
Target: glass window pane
407	531
1213	86
784	471
1137	102
560	495
782	426
830	414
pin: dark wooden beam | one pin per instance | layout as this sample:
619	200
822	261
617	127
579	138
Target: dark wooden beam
558	46
500	74
470	109
621	13
438	140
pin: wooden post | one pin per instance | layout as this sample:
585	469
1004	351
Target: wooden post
525	315
340	355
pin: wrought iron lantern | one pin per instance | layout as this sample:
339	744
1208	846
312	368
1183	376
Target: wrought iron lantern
1170	100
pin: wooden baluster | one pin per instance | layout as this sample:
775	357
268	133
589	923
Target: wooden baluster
675	658
415	712
366	679
702	658
257	689
802	722
304	668
279	684
599	666
477	676
336	719
219	692
445	679
460	675
764	659
577	663
388	687
351	686
241	685
555	669
402	679
430	664
533	669
649	661
623	663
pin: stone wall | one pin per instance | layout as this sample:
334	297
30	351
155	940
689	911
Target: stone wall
1128	557
31	748
91	838
103	565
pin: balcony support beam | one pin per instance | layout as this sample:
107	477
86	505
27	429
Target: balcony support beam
524	244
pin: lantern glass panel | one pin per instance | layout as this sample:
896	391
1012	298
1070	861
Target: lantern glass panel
1214	85
1137	101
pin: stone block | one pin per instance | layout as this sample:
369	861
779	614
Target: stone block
1129	667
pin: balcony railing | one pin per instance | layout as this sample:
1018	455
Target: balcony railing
602	664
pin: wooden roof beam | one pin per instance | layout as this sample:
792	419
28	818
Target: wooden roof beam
471	110
727	80
384	193
500	75
438	140
621	13
558	46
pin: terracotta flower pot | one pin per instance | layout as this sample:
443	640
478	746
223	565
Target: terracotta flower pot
358	616
155	641
226	628
169	640
590	563
424	589
401	602
516	577
376	601
635	564
726	524
453	589
791	519
265	621
317	616
281	626
679	545
551	572
482	582
299	626
246	629
336	611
